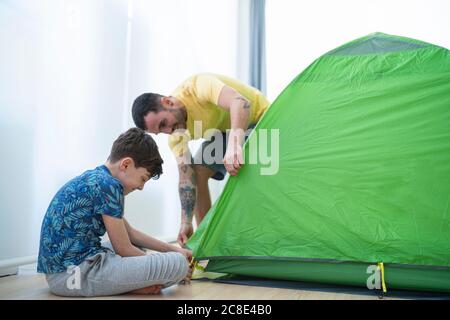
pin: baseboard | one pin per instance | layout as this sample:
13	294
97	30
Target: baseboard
9	271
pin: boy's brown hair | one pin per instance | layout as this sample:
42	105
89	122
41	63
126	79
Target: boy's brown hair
140	147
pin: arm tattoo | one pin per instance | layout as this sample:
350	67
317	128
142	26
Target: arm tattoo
187	174
246	102
187	190
187	197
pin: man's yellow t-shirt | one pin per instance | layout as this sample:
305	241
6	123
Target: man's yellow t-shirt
200	95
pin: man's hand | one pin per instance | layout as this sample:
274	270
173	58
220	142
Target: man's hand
186	231
239	108
233	159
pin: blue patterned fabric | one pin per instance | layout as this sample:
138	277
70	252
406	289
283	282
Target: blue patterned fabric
73	224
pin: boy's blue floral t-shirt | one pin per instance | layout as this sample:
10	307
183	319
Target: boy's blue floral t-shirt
73	224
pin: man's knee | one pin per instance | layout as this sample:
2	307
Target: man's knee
202	172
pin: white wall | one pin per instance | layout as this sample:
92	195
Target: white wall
69	72
298	32
61	102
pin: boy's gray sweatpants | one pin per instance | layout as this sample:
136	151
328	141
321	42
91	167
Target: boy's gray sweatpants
107	274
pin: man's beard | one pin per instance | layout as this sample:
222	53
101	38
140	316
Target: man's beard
181	118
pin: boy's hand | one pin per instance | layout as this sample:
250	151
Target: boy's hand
185	252
188	254
189	274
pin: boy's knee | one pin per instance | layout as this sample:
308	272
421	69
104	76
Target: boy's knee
58	285
180	266
183	265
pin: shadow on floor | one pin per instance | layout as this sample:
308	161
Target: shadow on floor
310	286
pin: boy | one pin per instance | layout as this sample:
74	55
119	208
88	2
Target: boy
71	254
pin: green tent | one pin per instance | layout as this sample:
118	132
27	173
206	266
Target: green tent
362	192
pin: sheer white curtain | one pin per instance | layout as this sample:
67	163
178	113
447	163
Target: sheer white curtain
171	40
298	32
61	80
69	72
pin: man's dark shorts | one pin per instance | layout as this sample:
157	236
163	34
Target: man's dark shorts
216	148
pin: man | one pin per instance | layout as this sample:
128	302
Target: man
90	205
202	102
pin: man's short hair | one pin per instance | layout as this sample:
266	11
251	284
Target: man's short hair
145	103
140	147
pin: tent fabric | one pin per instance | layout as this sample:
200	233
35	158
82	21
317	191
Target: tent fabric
364	174
376	44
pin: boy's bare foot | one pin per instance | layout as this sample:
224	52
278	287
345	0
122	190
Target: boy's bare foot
156	289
